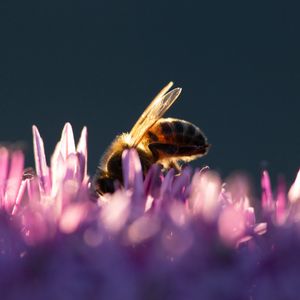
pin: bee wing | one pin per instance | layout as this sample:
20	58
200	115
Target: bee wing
156	109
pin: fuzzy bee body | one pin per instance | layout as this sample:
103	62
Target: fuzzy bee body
166	141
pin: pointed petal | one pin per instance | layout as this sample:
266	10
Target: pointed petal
294	192
55	156
267	196
250	217
166	188
14	179
71	182
153	181
19	197
82	152
205	194
58	171
41	167
133	181
67	142
132	171
181	183
72	168
33	190
4	159
281	201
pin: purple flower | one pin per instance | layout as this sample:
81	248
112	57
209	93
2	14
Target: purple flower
165	236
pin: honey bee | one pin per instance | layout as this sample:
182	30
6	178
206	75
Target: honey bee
166	141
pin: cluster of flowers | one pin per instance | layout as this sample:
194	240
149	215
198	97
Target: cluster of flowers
167	236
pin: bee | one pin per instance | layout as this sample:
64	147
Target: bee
166	141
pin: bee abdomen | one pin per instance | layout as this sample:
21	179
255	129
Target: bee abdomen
162	131
178	131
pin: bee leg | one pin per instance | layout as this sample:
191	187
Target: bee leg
174	164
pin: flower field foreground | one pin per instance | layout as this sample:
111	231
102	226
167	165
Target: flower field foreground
187	236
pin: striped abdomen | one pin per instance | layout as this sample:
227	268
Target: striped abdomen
174	138
176	131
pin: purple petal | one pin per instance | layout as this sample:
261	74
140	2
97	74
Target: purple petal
4	159
84	193
58	170
73	168
72	216
294	192
71	183
133	181
231	225
205	194
238	187
14	179
55	157
132	171
34	223
67	142
166	189
42	169
281	202
33	190
250	217
19	197
181	183
153	181
82	152
116	211
266	197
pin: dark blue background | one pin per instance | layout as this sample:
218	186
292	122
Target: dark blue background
99	63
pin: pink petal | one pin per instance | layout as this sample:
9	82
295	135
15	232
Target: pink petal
82	152
116	211
14	179
58	169
166	188
266	197
142	229
238	187
133	181
153	181
281	202
4	159
20	196
67	142
73	168
84	193
35	227
33	190
250	217
71	183
132	171
181	182
205	193
294	192
231	225
42	169
72	217
260	228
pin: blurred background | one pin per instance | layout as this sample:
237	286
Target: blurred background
99	63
